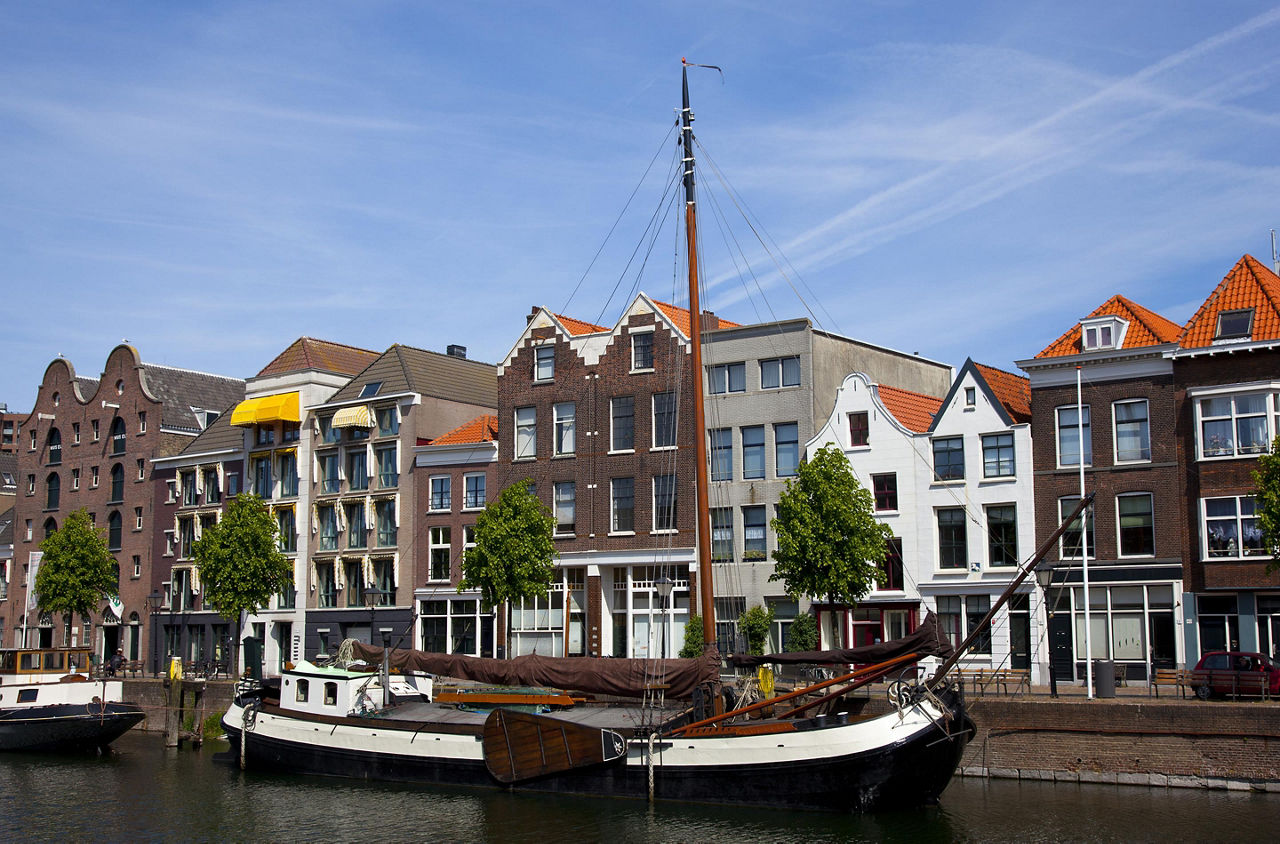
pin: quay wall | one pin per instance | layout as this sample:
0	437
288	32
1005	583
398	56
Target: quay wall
1193	743
151	696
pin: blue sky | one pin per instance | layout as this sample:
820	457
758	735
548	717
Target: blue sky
213	180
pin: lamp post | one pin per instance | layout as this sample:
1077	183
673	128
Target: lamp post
664	585
372	595
1044	576
153	602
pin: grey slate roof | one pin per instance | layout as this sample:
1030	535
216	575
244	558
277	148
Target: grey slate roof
9	465
217	437
6	529
405	369
182	389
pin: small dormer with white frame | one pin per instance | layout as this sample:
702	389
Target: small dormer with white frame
1103	333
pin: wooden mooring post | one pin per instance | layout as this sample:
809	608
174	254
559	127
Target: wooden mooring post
175	710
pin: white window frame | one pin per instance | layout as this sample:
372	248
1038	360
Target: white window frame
433	545
571	507
446	486
1239	524
642	332
1103	333
613	508
467	481
1013	455
675	511
544	363
612	430
1271	417
1119	542
720	382
564	416
1088	519
780	364
653	417
1057	435
1115	430
529	429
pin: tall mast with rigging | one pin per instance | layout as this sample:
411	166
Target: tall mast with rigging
703	541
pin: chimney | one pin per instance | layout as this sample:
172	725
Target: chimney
456	351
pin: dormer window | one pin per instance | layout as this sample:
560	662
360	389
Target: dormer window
371	389
1234	325
1103	333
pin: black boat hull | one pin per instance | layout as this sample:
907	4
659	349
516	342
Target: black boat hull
67	727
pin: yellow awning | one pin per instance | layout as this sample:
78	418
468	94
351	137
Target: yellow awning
282	407
359	416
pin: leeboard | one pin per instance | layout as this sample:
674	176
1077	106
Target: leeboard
521	746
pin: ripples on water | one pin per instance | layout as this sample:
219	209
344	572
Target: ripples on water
142	792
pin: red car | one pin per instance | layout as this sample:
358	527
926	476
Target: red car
1236	673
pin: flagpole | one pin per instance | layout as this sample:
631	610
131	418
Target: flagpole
1084	542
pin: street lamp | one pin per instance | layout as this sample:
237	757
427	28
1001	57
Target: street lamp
664	585
153	602
372	595
1044	576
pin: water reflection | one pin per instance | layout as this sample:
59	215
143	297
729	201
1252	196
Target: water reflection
143	792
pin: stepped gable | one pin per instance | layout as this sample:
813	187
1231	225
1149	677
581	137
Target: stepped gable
405	369
324	355
182	389
577	327
482	429
914	410
1249	285
680	316
1146	328
1012	391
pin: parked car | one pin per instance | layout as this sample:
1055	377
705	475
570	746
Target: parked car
1236	673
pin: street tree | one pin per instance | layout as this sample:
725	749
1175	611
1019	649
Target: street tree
829	543
755	624
513	557
77	571
1267	504
803	634
240	562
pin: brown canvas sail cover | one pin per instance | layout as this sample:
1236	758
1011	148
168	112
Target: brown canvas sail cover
927	640
621	677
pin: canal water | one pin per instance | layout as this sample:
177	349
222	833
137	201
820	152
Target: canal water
143	792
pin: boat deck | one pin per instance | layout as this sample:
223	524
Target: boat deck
621	717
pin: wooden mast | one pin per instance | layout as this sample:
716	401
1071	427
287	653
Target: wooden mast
703	540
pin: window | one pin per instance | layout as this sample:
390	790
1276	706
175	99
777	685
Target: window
31	484
117	436
55	447
1069	542
1232	426
326	587
664	420
53	492
622	411
115	530
997	455
970	396
642	351
563	414
526	433
49	527
565	493
892	567
233	484
388	472
1133	433
753	534
440	551
137	565
859	430
1070	430
721	454
1234	325
28	528
786	449
262	485
290	432
948	458
212	494
142	422
142	469
328	433
1002	535
370	390
975	609
75	479
288	464
753	452
779	372
1231	528
93	425
357	469
137	518
885	489
186	536
544	363
959	616
287	523
1137	524
385	512
388	421
328	519
953	546
117	482
727	378
186	482
664	502
722	534
93	477
473	495
75	433
440	489
622	505
357	528
330	477
33	439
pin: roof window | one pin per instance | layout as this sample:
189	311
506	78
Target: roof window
370	389
1102	333
1234	325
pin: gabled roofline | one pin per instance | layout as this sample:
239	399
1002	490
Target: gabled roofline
971	366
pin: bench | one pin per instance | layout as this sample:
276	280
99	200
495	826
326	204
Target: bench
1233	683
1176	677
997	679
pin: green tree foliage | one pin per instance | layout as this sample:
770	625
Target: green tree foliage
240	562
829	543
1267	479
803	634
693	644
77	571
513	557
755	624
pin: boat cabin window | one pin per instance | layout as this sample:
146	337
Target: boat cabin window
330	694
27	695
304	687
53	660
29	662
6	661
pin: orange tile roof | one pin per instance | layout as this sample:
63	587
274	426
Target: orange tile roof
482	429
913	410
309	353
578	326
1012	391
1146	328
680	316
1249	285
